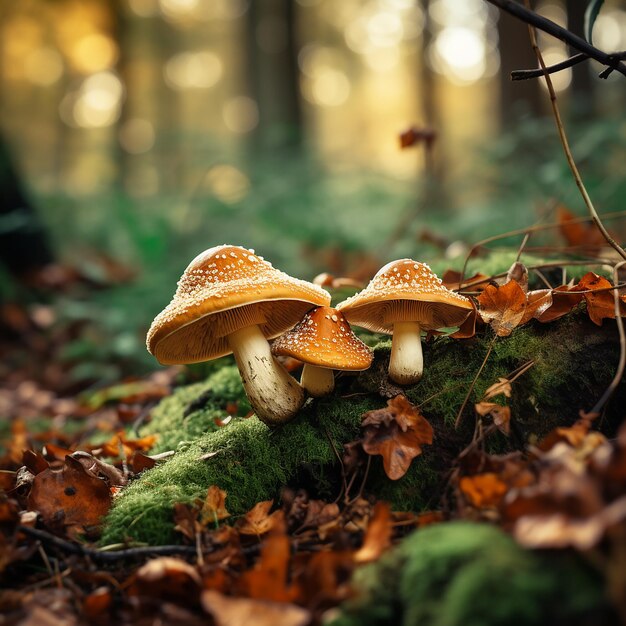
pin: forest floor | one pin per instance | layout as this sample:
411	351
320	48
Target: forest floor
491	492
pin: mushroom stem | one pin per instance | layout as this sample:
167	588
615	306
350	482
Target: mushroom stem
407	363
318	381
274	395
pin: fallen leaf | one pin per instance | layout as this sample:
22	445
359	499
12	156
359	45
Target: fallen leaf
70	499
227	611
258	520
166	577
562	303
268	579
600	305
377	536
468	328
503	307
483	490
415	136
397	433
502	386
214	507
537	303
501	415
452	281
585	235
519	273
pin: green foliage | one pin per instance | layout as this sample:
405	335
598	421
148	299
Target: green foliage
468	574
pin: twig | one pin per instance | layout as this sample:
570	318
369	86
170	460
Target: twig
551	69
561	130
532	229
457	421
548	26
622	350
101	556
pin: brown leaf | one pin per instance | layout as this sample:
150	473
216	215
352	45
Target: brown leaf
268	579
451	280
503	307
468	328
227	611
377	536
258	520
214	507
580	234
562	303
70	498
537	303
501	415
600	305
34	462
166	577
397	433
483	490
97	602
120	446
140	462
414	136
502	386
519	273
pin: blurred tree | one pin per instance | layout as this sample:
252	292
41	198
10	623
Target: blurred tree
24	246
515	54
582	85
273	75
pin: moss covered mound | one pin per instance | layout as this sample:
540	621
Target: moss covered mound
573	363
469	574
191	411
251	463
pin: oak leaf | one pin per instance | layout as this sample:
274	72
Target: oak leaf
397	433
503	307
258	520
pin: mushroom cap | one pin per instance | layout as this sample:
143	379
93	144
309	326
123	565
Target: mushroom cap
405	291
224	289
324	338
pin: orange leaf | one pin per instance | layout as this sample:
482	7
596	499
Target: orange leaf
562	303
501	415
586	235
600	305
503	307
483	490
258	520
468	328
397	433
377	536
214	507
451	280
537	302
227	611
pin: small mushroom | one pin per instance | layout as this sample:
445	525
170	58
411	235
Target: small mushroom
230	300
404	298
324	341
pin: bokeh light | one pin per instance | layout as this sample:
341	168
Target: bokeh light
241	114
137	135
43	66
228	183
193	70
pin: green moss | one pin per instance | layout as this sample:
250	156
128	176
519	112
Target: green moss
574	362
462	573
192	411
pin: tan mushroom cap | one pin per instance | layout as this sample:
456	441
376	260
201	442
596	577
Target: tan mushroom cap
224	289
405	291
324	338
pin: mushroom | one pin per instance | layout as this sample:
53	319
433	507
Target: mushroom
404	298
324	341
230	300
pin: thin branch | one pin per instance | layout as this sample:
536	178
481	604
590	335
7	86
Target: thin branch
551	69
548	26
565	142
457	421
622	349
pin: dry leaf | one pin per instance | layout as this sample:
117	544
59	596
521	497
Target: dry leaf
562	303
214	507
397	433
537	303
258	520
451	280
502	386
600	305
501	415
483	490
377	536
585	235
227	611
503	307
